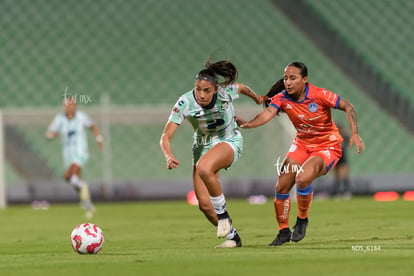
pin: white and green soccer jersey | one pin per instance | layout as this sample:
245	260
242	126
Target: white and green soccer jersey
74	137
211	125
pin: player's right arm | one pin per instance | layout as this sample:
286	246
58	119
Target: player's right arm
52	130
165	144
260	119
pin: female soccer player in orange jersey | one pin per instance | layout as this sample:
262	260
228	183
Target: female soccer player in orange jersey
314	151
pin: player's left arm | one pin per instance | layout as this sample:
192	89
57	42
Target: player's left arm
98	136
355	139
245	90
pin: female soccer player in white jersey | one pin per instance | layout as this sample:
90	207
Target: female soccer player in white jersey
217	141
71	125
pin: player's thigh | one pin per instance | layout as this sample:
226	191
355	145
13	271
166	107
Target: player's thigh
313	167
73	168
287	175
330	157
218	157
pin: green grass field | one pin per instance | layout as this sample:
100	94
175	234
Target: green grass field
358	236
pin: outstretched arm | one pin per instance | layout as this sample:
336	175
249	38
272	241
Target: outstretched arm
260	119
166	137
245	90
355	139
51	134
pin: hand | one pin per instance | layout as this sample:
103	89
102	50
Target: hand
99	139
100	145
260	99
172	162
357	141
239	121
50	135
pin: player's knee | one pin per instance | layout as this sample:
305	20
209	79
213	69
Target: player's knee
302	181
282	189
204	171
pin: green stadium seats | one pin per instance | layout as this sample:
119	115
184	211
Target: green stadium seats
146	53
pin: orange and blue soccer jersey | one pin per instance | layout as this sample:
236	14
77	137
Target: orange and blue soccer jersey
312	116
317	134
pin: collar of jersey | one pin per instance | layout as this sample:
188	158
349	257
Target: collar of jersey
293	100
211	105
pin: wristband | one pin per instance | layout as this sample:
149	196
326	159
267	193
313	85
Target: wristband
99	138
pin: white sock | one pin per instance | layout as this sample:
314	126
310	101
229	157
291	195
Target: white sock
75	181
219	204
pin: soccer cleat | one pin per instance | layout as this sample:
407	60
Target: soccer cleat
282	237
223	227
90	212
299	230
232	243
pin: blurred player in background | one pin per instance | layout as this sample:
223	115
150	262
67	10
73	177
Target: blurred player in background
217	141
71	125
316	148
341	185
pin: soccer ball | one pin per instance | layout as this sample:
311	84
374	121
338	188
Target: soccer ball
87	238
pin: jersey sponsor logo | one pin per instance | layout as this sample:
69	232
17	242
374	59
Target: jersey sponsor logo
71	133
178	106
198	114
215	123
314	118
313	107
288	106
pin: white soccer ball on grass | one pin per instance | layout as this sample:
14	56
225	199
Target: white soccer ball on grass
87	238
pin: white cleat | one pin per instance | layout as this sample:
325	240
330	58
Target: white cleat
89	213
227	244
231	243
223	227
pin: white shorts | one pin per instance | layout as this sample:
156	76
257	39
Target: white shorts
235	142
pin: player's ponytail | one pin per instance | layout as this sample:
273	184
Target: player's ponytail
223	68
276	88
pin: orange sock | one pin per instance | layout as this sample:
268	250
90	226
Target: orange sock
304	202
282	209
